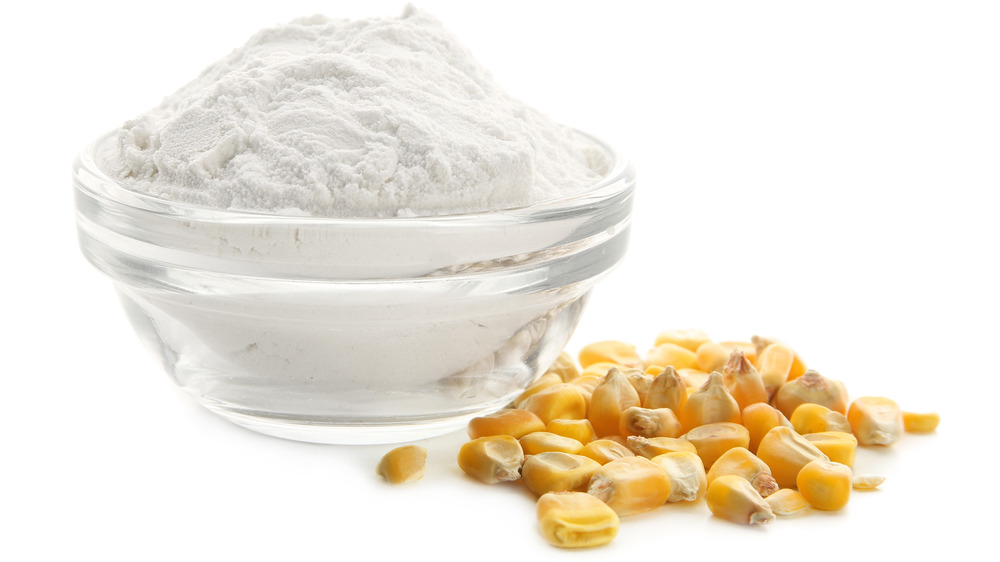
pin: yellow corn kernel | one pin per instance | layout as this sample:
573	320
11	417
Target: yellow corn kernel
875	420
798	367
786	452
760	418
565	367
559	401
686	473
581	430
688	339
605	450
543	382
816	418
711	403
774	363
610	351
650	447
640	381
867	482
630	485
667	390
787	502
647	422
814	388
730	497
612	397
824	484
711	440
693	378
492	459
920	422
587	384
672	355
743	381
576	520
599	369
749	349
403	464
513	421
711	356
840	446
543	441
557	472
741	462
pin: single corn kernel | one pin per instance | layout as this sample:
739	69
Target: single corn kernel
730	497
824	484
798	365
559	401
656	422
557	472
711	356
565	367
654	446
581	430
875	420
760	418
599	369
920	422
814	388
741	462
576	520
667	390
492	459
786	452
403	464
543	382
713	439
543	441
840	446
605	450
787	502
612	397
749	349
630	485
610	351
743	381
711	403
688	339
774	363
815	418
513	421
686	472
640	381
672	355
867	482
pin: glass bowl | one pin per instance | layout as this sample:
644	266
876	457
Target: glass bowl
357	330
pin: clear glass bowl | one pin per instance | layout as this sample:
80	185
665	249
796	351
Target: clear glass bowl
353	330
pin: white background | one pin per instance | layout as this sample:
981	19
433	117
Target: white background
825	173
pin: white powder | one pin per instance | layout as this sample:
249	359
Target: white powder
375	117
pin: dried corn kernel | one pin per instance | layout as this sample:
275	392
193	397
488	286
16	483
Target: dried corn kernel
605	450
492	459
814	388
672	355
711	403
786	452
599	369
774	363
403	464
824	484
543	382
815	418
610	351
920	423
732	498
543	441
867	482
640	381
612	397
587	383
557	472
686	472
748	348
654	446
760	418
839	446
713	439
656	422
667	390
711	356
559	401
630	485
688	339
576	520
741	462
787	502
875	420
798	367
514	422
565	367
581	430
743	381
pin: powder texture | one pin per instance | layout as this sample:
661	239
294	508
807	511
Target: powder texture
366	118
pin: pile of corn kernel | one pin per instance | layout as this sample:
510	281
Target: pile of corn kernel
743	425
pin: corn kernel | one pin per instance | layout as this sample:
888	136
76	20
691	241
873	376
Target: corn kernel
741	462
559	401
543	382
599	369
640	381
667	390
713	439
920	422
656	422
565	367
711	356
492	459
875	420
576	520
774	363
798	367
743	381
605	450
610	351
732	498
786	452
403	464
514	422
654	446
816	418
760	418
787	502
581	430
557	472
748	348
711	403
630	485
672	355
693	378
840	446
814	388
867	482
543	441
686	472
587	383
612	397
688	339
824	484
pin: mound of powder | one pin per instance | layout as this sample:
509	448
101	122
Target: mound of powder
367	118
